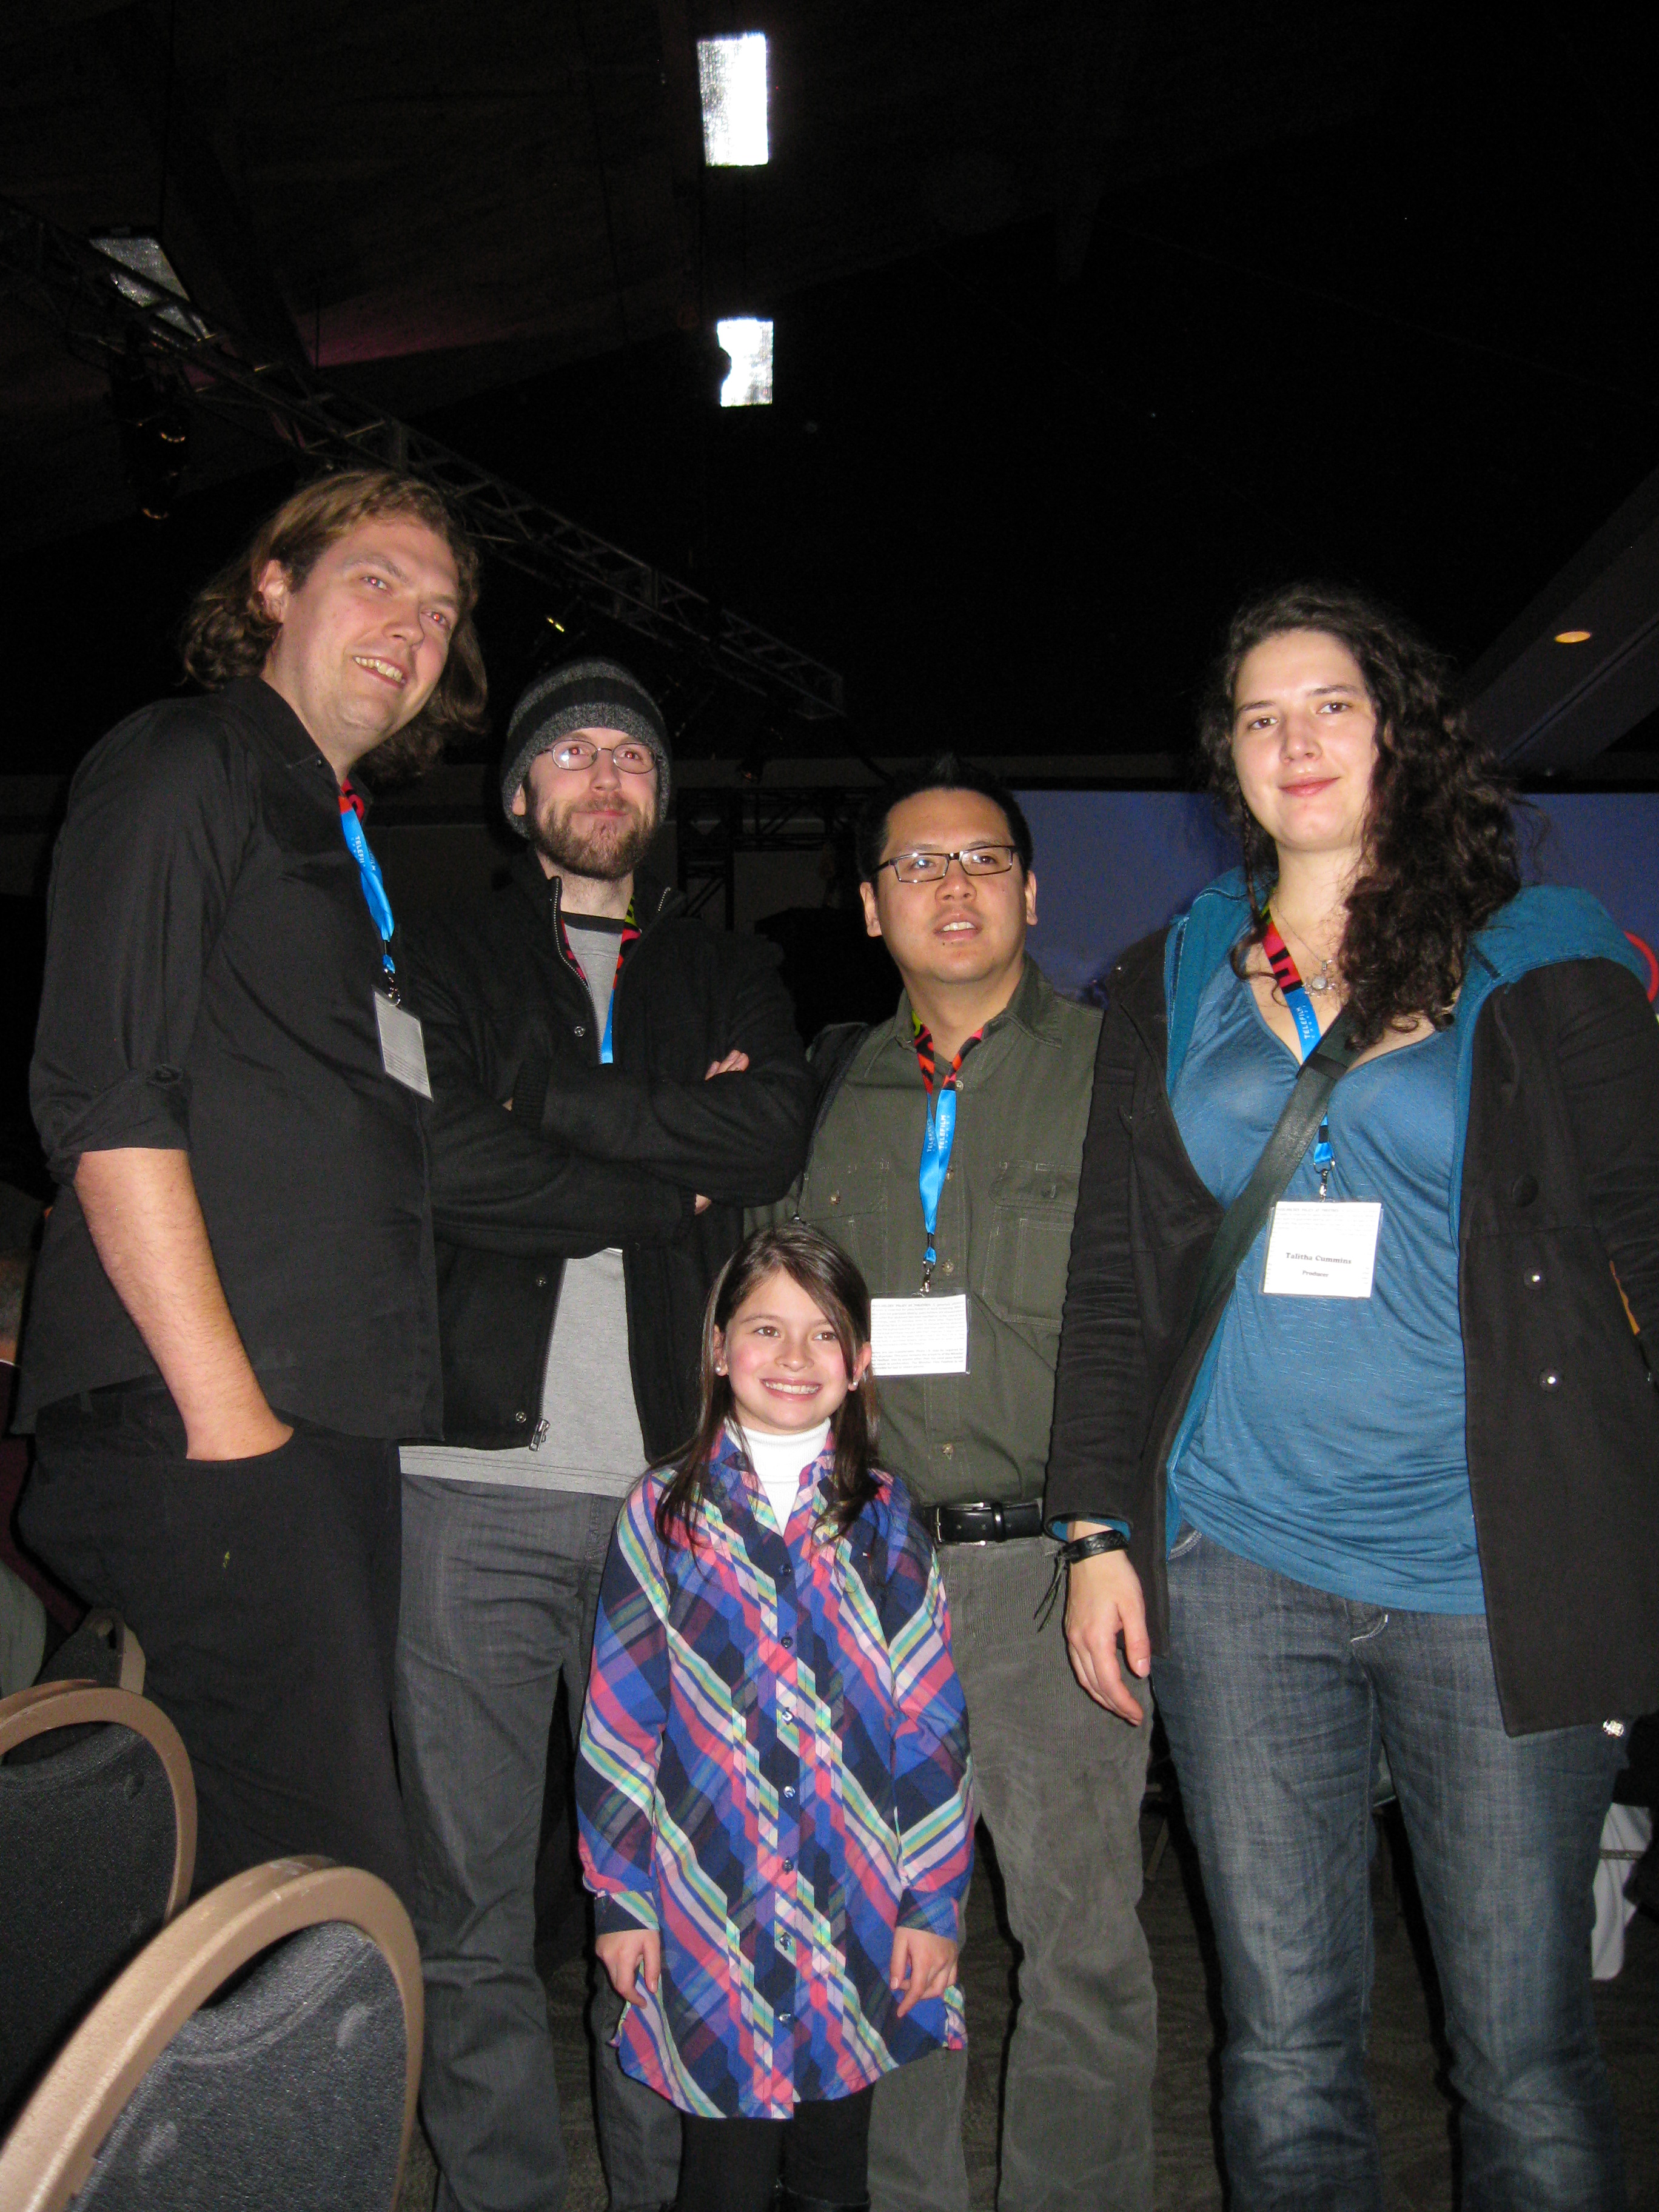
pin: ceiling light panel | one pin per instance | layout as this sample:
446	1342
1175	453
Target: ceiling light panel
749	344
152	278
732	75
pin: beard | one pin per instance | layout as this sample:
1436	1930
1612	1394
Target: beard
603	853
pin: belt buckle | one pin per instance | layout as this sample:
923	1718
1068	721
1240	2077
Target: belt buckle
999	1524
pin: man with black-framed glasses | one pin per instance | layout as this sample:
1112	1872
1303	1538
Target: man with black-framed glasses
612	1082
945	1162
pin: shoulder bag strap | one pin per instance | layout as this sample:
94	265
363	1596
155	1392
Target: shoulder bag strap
1321	1071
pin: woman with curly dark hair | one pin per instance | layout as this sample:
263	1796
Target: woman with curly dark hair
1355	1440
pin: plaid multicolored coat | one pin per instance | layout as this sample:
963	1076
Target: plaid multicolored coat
774	1773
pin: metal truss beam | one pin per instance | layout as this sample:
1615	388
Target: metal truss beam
713	827
59	276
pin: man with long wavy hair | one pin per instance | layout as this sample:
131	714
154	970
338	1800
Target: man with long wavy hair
235	1315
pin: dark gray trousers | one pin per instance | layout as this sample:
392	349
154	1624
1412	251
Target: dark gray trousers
501	1586
1058	1783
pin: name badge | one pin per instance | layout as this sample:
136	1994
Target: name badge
1321	1248
919	1335
403	1048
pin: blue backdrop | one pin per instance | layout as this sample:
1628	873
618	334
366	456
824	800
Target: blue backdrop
1113	864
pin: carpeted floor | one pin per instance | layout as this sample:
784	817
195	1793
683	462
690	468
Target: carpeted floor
1413	2113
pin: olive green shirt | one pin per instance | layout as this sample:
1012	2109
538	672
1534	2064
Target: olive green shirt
1004	1234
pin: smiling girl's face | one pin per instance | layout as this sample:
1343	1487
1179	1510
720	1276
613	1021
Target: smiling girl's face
1304	742
784	1359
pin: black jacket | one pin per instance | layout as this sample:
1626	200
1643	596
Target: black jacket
1560	1188
589	1155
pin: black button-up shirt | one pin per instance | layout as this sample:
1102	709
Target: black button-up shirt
211	966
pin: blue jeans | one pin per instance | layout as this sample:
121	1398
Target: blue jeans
1274	1696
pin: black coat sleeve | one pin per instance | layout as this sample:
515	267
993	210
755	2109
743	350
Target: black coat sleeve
739	1139
1606	1045
499	1184
1101	1384
159	815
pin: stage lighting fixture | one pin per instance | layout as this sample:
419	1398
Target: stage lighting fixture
152	413
750	344
154	278
752	767
1572	637
732	73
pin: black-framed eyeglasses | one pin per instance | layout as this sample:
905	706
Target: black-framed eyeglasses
933	867
632	758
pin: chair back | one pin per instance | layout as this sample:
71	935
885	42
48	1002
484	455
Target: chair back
295	2092
97	1848
102	1650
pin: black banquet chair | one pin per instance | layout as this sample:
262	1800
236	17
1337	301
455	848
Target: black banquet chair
294	2093
97	1849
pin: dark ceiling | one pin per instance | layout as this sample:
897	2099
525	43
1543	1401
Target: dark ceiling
1090	317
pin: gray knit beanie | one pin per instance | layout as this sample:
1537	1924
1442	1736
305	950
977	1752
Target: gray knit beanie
581	694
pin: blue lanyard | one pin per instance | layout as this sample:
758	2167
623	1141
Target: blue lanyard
606	1052
379	906
1295	994
937	1139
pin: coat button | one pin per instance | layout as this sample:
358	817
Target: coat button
1524	1189
580	1030
1549	1380
834	1198
521	1418
541	1282
950	1266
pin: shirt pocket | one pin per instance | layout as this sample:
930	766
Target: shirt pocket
852	1207
1030	1245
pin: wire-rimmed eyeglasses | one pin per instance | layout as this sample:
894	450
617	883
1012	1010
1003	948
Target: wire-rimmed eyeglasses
933	867
632	758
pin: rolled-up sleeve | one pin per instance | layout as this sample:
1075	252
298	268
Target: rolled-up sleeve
159	816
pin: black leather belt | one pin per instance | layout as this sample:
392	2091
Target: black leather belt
989	1522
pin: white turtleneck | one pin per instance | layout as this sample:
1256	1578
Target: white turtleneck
779	1461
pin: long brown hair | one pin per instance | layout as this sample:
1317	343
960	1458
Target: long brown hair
835	1287
1440	844
227	633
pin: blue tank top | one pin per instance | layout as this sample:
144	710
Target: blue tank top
1331	1444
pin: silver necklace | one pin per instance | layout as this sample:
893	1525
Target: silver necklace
1320	982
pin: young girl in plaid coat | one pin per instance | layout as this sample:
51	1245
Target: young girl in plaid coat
773	1783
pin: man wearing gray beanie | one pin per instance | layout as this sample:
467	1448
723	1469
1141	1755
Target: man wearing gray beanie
613	1081
577	698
